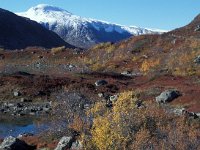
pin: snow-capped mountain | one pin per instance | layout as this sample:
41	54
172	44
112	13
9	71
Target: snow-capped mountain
79	31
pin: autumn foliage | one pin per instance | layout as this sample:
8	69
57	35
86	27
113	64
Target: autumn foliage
127	127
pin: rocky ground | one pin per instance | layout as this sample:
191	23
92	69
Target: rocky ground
23	108
140	93
64	97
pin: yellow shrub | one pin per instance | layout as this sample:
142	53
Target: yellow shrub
182	63
110	49
87	61
109	134
57	49
102	133
125	102
149	64
126	127
109	129
134	58
97	110
101	46
96	67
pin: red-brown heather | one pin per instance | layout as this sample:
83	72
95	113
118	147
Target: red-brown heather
137	70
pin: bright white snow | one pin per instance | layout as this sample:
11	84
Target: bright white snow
46	14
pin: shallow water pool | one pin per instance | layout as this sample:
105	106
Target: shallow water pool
13	126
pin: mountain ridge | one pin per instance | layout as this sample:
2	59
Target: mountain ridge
18	33
80	31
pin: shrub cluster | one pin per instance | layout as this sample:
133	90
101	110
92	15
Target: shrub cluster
125	126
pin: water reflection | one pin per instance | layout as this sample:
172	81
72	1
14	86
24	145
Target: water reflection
13	126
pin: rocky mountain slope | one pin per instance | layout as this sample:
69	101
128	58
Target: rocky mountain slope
78	31
18	32
176	52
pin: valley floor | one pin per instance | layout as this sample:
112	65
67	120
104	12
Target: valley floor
66	96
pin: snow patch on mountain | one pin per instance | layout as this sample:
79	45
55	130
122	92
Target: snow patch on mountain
81	31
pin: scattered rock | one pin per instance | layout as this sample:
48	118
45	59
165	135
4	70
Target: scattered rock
11	143
76	145
106	96
109	104
38	65
164	70
24	135
101	95
139	104
40	57
113	98
179	111
64	143
24	100
22	108
69	143
86	106
145	56
197	60
131	74
101	82
193	115
174	41
167	96
71	66
126	72
198	114
17	93
197	28
190	114
46	109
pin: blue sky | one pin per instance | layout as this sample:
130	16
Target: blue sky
161	14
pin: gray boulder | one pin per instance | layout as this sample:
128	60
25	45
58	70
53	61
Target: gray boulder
17	93
100	95
167	96
131	74
126	73
86	106
64	143
113	98
11	143
25	135
69	143
198	114
101	82
76	145
178	111
197	28
197	60
24	100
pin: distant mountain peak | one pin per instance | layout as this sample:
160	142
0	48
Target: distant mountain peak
79	31
47	8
